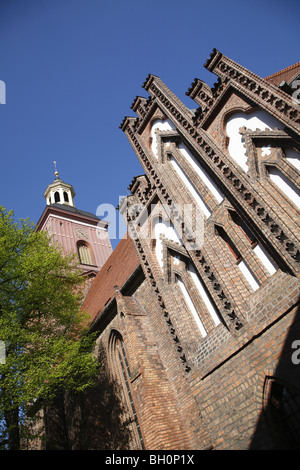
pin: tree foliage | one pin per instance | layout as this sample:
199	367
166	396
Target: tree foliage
41	325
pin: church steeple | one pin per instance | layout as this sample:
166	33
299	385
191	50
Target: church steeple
59	192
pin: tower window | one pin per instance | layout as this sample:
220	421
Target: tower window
84	253
66	197
56	196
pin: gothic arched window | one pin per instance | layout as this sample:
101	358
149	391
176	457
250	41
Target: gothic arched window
56	196
121	370
66	197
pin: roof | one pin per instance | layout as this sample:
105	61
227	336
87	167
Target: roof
121	264
74	210
65	210
286	75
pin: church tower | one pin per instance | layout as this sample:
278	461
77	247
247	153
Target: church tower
59	192
75	230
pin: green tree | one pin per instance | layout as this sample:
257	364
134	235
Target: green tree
41	325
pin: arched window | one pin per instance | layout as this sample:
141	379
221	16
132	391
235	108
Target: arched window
121	369
84	253
66	197
56	196
282	408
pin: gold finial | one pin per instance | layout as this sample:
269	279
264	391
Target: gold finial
56	172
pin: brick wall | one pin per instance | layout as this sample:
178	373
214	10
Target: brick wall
181	388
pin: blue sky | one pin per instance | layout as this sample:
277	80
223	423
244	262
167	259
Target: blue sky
72	69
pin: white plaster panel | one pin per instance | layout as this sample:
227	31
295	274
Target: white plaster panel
209	183
258	120
189	185
191	307
210	307
292	157
249	276
265	259
162	228
285	185
160	125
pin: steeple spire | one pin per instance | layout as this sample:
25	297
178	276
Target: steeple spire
56	172
59	192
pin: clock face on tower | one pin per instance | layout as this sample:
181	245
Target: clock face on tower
81	233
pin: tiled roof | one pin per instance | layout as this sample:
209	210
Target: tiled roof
74	210
287	74
118	268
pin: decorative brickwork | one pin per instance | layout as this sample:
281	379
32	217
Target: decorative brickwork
199	313
251	241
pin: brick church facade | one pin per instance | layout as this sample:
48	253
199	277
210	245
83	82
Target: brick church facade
197	307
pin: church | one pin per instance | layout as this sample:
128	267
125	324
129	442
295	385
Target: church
197	307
